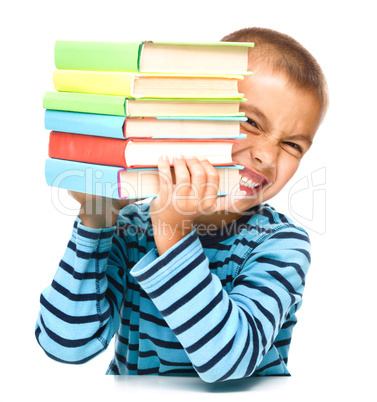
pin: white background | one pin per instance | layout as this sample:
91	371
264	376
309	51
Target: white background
333	350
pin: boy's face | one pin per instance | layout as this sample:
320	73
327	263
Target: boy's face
282	122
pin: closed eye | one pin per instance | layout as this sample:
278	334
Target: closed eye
251	122
294	146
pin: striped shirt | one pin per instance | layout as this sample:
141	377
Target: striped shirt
220	305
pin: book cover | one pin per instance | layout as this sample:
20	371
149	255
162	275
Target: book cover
85	103
97	56
120	183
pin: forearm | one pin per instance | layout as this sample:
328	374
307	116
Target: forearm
76	320
167	235
98	220
98	212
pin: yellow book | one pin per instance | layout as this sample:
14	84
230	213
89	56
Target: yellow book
140	86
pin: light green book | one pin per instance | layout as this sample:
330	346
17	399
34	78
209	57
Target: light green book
122	106
154	57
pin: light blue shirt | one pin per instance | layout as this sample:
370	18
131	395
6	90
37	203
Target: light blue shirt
220	305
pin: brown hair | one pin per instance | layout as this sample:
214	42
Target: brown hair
281	53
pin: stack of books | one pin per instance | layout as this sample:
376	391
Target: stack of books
118	106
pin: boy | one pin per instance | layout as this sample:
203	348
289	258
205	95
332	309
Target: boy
191	282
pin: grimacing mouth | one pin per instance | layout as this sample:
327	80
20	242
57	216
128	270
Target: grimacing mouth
252	182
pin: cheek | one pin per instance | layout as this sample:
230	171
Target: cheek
287	167
242	145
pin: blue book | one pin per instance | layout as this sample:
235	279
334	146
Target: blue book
143	127
120	183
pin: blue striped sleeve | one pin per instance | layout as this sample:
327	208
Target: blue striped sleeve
227	335
79	310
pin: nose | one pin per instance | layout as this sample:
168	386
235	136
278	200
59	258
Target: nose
265	151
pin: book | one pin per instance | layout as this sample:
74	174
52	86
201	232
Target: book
122	106
143	127
148	85
119	183
153	57
135	152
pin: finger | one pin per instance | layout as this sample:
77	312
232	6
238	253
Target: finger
212	176
198	176
182	176
212	185
165	177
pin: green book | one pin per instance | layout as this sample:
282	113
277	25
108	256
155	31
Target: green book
154	57
85	103
122	106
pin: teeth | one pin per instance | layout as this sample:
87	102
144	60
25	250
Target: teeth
244	181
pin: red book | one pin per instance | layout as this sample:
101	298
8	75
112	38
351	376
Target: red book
135	153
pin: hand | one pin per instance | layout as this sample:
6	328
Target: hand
177	205
98	212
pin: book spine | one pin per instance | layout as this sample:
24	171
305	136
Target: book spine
85	103
85	123
83	177
87	148
94	82
97	56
